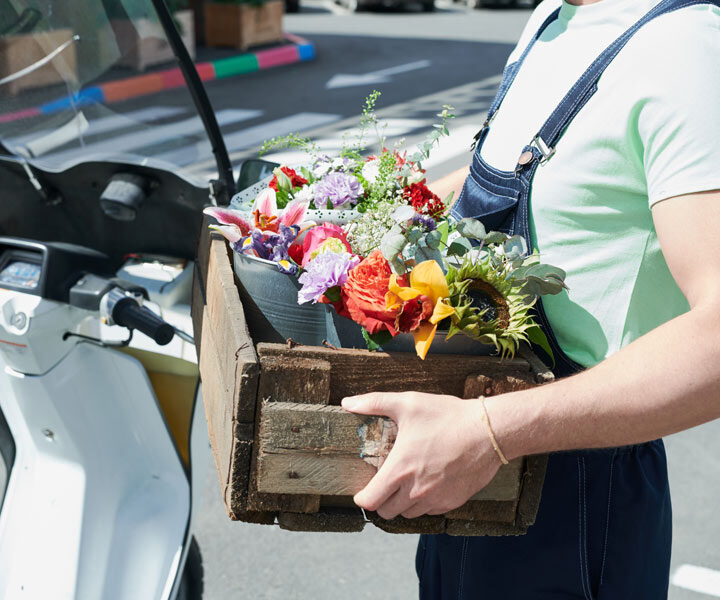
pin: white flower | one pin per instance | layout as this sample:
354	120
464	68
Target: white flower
371	170
322	167
338	164
306	193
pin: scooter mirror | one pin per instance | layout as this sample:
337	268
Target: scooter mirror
252	171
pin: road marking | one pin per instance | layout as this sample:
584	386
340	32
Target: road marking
697	579
177	131
252	136
117	121
382	76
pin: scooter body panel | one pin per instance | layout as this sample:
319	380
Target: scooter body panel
98	503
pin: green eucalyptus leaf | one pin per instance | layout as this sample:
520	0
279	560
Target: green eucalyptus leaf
433	239
414	235
444	228
495	237
397	266
515	247
392	244
448	199
471	228
460	247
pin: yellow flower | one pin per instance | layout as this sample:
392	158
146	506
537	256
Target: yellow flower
428	280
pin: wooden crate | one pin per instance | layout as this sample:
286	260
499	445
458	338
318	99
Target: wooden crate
286	452
243	25
17	52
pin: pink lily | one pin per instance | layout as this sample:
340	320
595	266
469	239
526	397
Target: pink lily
269	218
233	224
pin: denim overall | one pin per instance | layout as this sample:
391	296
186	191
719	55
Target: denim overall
603	529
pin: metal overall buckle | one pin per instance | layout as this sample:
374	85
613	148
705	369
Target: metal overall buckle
545	151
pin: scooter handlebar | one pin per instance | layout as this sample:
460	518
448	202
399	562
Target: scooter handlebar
128	313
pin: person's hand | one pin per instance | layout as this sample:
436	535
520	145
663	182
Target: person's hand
442	455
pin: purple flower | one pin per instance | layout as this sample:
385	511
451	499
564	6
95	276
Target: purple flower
326	270
339	188
424	221
271	246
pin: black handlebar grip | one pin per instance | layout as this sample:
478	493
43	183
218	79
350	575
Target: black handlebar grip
128	313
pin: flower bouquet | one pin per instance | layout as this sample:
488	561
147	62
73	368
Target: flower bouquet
362	235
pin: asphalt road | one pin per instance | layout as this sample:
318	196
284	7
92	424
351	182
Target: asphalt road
463	54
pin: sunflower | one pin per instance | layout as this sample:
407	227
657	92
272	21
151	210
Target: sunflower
488	307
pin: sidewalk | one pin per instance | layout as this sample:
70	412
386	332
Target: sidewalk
211	64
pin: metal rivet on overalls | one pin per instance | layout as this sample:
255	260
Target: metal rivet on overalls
525	158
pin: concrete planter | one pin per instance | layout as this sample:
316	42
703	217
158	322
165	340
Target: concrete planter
243	25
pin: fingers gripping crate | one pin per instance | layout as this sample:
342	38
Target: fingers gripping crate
286	452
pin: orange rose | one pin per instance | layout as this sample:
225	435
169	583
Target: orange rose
363	295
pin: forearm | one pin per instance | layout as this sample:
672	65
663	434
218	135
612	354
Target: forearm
450	183
664	382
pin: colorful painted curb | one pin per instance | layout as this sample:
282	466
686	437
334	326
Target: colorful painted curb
299	50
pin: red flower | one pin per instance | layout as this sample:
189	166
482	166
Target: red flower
363	295
295	179
425	202
413	312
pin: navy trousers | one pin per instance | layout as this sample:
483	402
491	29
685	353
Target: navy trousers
603	532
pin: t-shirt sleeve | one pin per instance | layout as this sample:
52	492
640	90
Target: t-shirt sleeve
679	119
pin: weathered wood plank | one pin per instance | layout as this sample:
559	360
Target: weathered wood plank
238	361
217	398
306	449
304	380
359	371
483	385
339	520
433	524
489	510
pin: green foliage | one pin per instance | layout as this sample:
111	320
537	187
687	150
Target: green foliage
385	184
292	140
368	120
433	138
375	341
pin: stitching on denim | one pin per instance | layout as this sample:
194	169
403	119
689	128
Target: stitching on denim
462	567
580	535
505	86
552	127
607	518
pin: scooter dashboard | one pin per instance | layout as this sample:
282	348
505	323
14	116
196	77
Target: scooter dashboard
19	272
47	269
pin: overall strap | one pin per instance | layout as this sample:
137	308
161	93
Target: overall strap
512	69
586	86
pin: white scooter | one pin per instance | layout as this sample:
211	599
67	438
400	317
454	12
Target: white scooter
100	430
95	482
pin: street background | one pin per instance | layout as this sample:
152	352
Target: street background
419	61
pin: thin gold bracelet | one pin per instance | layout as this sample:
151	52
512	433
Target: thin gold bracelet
491	433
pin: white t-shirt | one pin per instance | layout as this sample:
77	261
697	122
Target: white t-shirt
650	132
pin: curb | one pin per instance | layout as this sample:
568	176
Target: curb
300	50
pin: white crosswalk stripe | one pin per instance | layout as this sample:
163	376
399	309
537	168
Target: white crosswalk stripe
252	136
113	122
174	131
697	579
